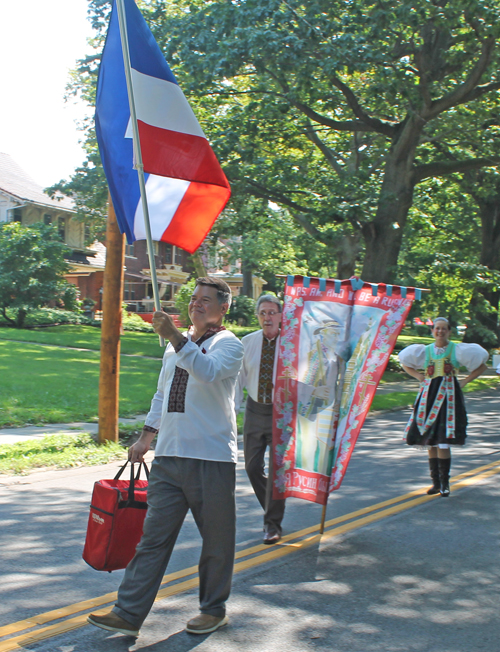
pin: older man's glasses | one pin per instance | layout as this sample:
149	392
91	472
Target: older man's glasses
268	313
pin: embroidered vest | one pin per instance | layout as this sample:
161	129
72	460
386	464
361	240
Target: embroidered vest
440	364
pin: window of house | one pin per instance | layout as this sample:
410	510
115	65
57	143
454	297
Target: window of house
178	256
47	218
167	294
18	215
168	254
129	291
156	247
129	250
61	226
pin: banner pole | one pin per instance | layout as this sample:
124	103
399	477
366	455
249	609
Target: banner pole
138	164
323	517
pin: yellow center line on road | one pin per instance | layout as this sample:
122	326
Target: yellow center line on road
351	522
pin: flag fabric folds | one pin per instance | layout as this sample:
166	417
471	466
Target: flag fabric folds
185	185
335	344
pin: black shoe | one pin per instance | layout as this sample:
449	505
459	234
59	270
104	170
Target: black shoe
444	477
271	537
434	469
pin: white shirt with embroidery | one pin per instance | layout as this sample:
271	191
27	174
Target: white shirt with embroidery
206	430
249	374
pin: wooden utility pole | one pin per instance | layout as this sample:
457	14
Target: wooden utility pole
112	297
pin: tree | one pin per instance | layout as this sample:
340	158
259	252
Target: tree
327	107
338	112
31	268
264	239
477	198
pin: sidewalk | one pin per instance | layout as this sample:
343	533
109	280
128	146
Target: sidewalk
13	435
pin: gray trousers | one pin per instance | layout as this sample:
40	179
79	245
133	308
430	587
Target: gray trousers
258	435
177	484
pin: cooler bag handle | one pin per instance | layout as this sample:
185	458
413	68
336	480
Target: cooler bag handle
141	464
131	502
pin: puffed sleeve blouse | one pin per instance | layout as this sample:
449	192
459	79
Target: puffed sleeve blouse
470	356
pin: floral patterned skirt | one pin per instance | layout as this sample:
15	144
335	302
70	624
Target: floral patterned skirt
437	433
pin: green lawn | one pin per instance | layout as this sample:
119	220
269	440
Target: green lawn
89	337
85	337
45	384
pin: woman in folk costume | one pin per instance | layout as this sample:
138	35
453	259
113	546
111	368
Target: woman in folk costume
439	418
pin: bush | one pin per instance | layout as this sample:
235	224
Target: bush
32	268
423	330
48	317
242	311
132	322
69	298
182	299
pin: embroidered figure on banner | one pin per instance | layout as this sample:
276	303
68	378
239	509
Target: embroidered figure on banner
321	368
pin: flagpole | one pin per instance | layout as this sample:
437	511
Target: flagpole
323	517
139	166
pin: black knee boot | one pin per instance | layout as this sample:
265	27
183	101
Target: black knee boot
444	476
434	469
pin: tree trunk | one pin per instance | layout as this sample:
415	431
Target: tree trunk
348	254
484	316
21	316
247	288
384	235
6	317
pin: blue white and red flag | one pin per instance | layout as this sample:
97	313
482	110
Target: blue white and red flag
185	185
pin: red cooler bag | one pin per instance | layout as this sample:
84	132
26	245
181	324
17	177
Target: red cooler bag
117	513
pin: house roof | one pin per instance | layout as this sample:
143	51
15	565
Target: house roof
16	182
92	259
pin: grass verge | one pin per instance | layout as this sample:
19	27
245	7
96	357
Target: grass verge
89	337
59	451
51	385
85	337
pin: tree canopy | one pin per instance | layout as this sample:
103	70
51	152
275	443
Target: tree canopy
337	110
370	127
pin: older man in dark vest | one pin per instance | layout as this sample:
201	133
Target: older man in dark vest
257	375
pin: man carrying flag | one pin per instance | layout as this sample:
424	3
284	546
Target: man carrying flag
194	466
193	409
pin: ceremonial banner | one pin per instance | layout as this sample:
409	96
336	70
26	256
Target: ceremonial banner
336	339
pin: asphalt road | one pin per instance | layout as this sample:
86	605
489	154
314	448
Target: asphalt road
420	574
